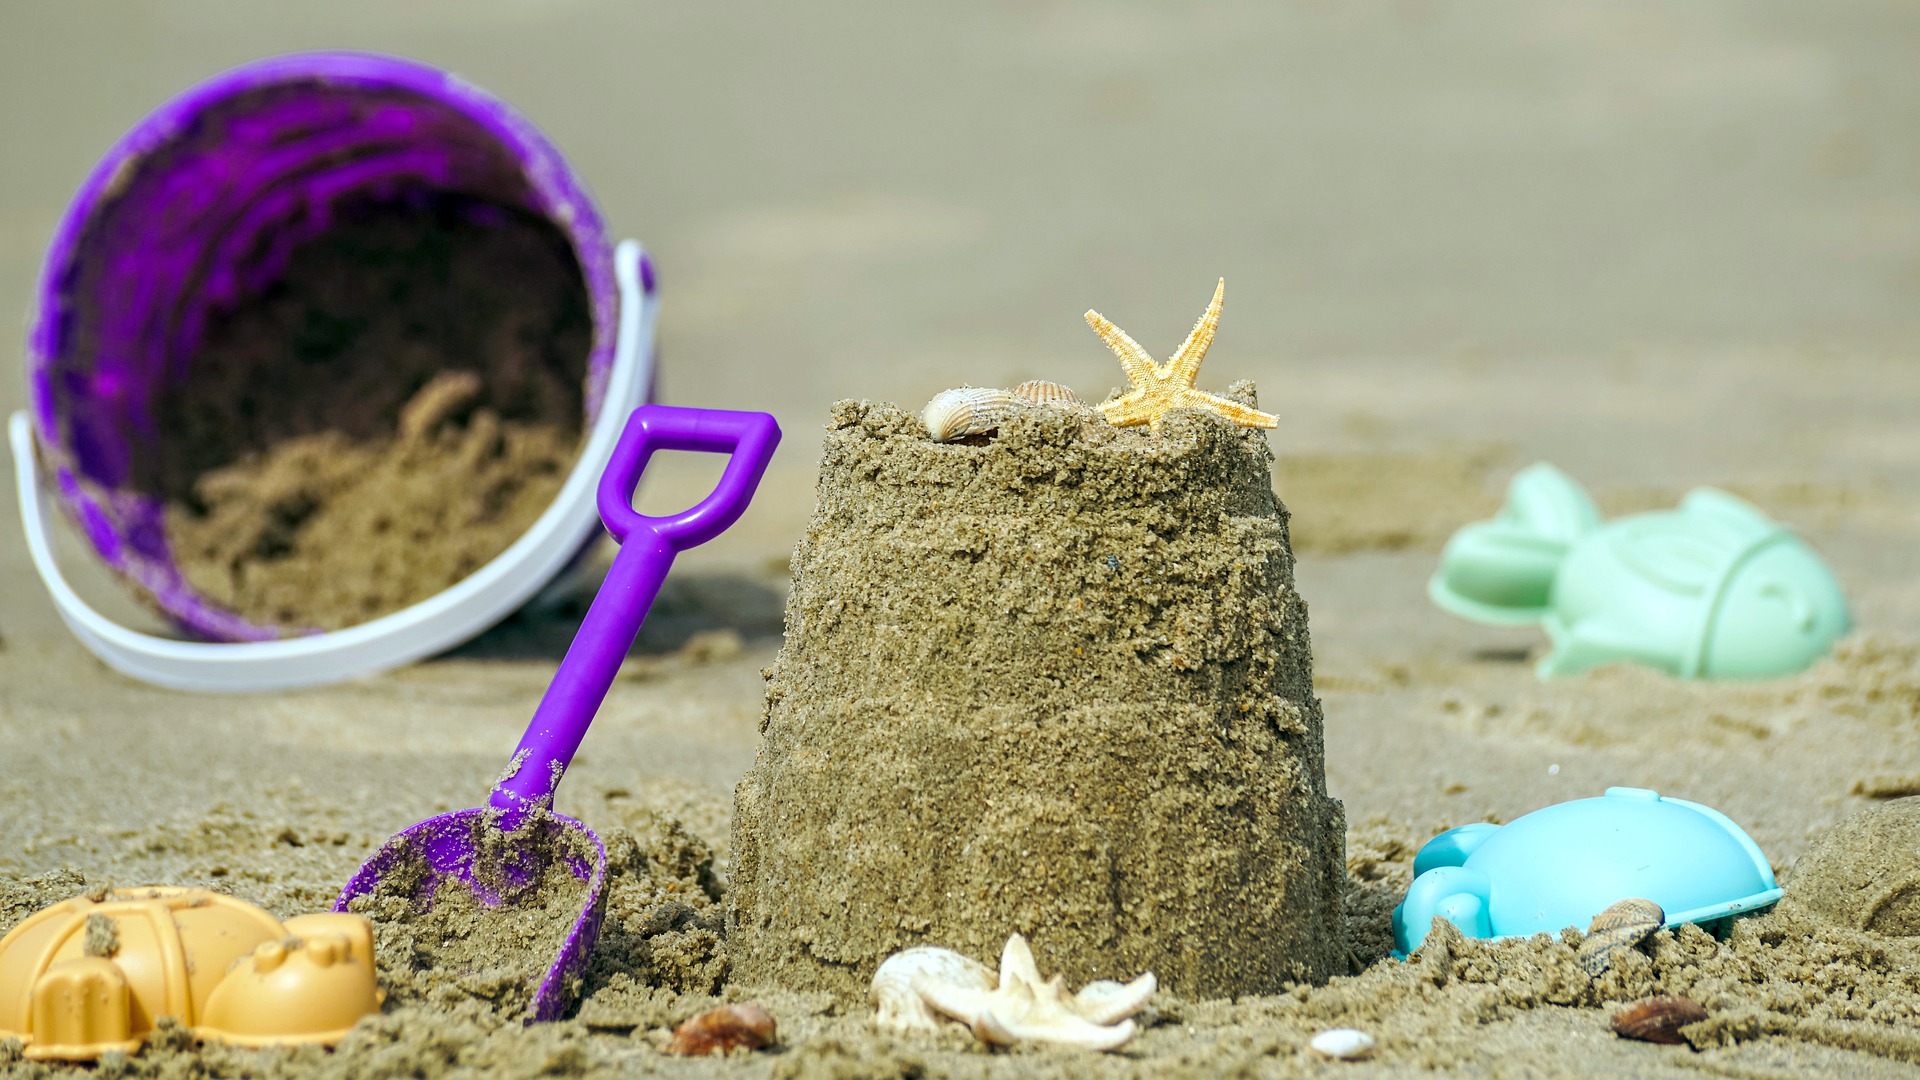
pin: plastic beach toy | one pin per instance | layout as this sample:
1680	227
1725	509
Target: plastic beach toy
1562	865
87	976
212	223
1713	589
443	851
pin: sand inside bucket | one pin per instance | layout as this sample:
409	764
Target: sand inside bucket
391	414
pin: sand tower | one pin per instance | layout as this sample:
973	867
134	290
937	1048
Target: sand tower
1058	683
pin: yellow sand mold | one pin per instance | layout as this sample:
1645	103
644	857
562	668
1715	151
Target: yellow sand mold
87	976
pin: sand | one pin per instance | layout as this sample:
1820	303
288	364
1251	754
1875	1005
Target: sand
1659	245
382	421
1864	874
1784	987
1059	683
437	940
1809	987
1803	988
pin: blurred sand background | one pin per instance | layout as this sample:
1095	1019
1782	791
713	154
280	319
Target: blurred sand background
1659	244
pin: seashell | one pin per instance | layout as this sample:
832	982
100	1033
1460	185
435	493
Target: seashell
968	410
1658	1019
1042	392
717	1031
897	1002
1617	929
1343	1044
914	988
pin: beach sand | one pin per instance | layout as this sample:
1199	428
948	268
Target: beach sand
1660	245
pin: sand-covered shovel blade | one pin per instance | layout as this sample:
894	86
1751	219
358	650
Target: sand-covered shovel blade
515	854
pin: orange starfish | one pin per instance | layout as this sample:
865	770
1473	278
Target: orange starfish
1160	388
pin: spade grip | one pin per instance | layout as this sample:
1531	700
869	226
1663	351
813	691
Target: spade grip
647	547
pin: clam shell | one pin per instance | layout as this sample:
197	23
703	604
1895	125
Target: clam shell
1042	392
968	410
897	1001
1617	929
1658	1019
1342	1044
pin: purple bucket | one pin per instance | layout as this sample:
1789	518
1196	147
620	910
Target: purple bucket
200	207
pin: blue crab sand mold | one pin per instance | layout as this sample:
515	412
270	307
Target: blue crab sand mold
1057	684
1560	866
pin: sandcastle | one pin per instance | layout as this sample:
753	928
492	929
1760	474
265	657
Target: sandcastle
1059	683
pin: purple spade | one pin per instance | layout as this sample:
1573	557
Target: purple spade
457	846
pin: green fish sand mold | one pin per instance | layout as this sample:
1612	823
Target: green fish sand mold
1713	589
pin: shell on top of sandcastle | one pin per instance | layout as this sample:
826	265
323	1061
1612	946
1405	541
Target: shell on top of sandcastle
1056	684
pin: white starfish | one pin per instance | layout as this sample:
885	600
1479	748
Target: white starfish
912	986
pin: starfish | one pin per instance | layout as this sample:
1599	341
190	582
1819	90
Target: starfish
913	985
1160	388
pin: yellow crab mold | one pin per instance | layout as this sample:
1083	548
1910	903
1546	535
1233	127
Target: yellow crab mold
87	976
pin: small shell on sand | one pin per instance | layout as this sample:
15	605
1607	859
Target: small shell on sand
896	998
1658	1019
968	410
717	1031
1343	1044
914	988
1042	392
1617	929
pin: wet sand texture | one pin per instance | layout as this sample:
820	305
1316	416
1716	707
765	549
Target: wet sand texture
390	415
1060	683
1864	873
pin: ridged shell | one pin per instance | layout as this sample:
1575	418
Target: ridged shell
968	410
1342	1044
1042	392
1658	1019
1617	929
896	998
